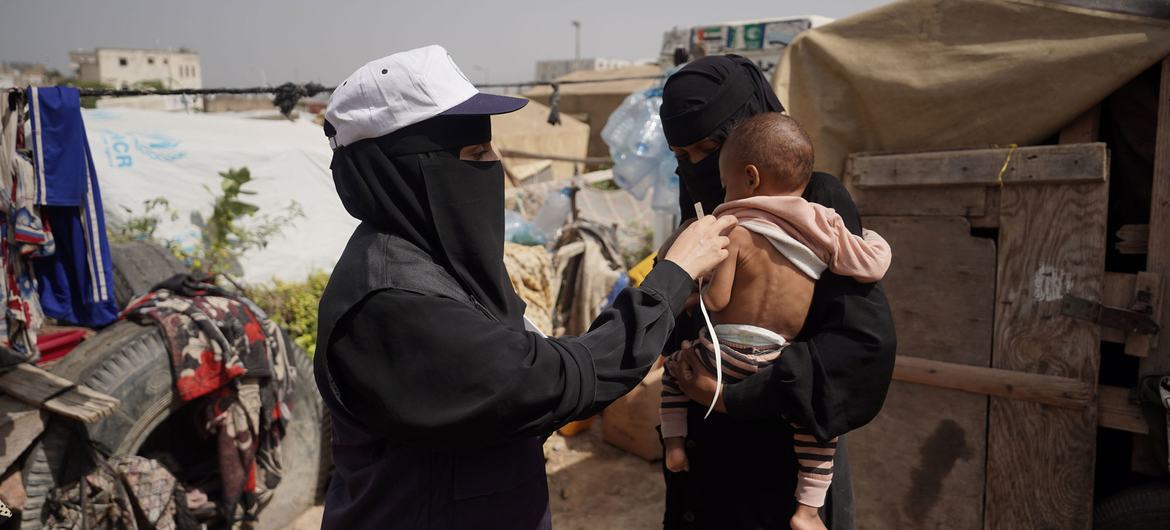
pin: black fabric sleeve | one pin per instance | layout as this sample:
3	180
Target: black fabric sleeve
430	370
834	377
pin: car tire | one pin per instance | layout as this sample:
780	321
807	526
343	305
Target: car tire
131	362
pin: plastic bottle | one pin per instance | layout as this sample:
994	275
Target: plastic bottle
552	214
649	139
666	187
621	123
512	222
634	173
638	146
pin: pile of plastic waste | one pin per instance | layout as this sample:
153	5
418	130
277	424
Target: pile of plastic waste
543	228
642	161
642	164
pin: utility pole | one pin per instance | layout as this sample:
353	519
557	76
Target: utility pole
486	75
577	46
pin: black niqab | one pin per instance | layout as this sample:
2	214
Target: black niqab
704	100
412	184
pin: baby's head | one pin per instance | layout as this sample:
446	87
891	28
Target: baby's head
766	154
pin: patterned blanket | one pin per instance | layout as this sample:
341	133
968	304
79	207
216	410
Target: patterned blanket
125	493
226	353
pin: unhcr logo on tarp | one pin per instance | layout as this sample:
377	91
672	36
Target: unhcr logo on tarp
120	148
159	147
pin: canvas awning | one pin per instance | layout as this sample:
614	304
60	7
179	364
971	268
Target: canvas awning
928	74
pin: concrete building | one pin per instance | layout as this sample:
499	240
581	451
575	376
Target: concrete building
125	67
550	70
16	74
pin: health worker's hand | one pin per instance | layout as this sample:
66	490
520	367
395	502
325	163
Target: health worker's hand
702	245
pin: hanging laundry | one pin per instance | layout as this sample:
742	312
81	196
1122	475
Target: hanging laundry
22	237
228	353
75	283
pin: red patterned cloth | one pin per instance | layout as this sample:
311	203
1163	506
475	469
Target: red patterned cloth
56	345
212	339
227	352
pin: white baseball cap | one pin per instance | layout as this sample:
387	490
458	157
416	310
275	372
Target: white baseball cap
393	92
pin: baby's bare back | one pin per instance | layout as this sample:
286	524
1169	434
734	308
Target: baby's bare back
768	290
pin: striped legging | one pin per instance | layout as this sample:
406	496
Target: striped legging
747	349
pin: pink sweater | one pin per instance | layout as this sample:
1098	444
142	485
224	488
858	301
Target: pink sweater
865	258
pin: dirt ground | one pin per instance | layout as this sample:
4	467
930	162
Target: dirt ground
591	485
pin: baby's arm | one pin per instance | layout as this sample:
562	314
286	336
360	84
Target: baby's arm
717	293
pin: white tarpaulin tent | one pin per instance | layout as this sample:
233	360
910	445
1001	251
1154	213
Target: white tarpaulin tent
140	155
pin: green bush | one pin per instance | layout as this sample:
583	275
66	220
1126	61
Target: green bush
234	227
293	306
128	225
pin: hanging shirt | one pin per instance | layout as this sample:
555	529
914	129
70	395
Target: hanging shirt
76	282
23	238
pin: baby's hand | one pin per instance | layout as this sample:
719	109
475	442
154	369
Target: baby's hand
676	455
806	518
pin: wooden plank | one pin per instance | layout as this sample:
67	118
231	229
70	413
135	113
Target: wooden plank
1047	164
1038	388
1114	411
969	201
12	493
1133	239
1150	285
921	463
1158	256
990	216
1121	291
1040	460
1118	292
1084	128
32	385
20	424
41	388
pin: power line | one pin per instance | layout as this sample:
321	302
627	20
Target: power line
286	96
312	89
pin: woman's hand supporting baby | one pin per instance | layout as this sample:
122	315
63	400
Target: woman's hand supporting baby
697	384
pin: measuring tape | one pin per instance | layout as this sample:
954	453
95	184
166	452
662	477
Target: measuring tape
711	330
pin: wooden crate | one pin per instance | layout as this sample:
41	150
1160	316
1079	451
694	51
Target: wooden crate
991	420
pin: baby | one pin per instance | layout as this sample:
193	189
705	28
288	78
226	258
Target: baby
759	297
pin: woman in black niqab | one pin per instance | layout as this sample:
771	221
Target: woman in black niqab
706	98
413	184
832	378
438	396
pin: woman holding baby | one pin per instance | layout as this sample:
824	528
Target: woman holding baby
830	376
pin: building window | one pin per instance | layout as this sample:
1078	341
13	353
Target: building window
150	60
166	61
122	61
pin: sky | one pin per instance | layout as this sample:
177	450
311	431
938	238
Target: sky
257	42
